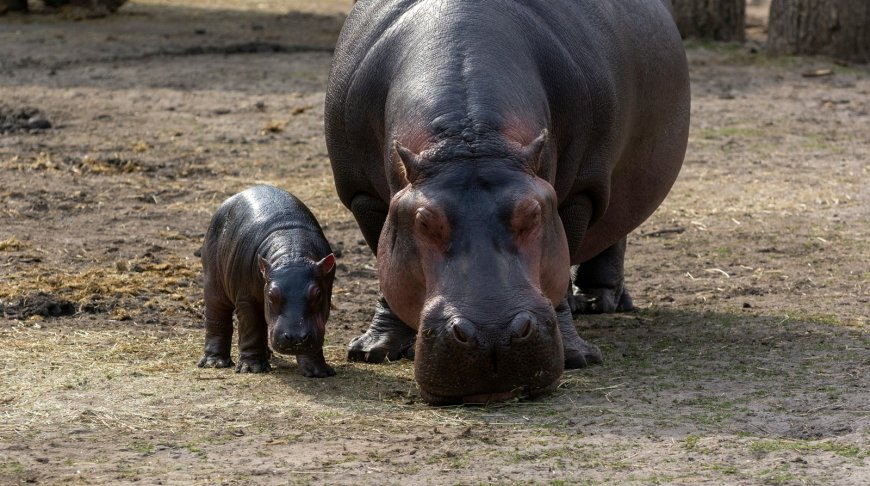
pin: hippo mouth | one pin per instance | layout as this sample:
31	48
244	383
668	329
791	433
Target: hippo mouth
297	346
520	392
458	361
293	350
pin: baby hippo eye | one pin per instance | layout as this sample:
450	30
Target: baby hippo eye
314	294
274	297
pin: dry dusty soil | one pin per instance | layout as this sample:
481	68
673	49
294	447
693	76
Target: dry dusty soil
746	363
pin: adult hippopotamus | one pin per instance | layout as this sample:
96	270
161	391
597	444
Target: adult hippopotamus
265	258
485	147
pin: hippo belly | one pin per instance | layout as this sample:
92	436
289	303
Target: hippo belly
495	155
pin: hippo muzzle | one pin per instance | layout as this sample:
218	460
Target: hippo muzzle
460	360
296	335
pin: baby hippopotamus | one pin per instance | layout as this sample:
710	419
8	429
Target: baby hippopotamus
265	257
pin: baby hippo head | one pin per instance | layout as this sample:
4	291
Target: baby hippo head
296	303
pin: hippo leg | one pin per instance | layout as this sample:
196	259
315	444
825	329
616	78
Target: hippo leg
254	350
578	353
370	214
387	338
314	365
600	283
218	336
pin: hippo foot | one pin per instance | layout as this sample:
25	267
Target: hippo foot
388	338
578	353
314	366
215	362
581	355
253	365
601	301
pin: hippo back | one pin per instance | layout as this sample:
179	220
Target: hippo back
607	79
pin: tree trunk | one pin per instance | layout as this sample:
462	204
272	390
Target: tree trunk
9	5
722	20
837	28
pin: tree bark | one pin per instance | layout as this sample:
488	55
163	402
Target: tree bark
837	28
10	5
721	20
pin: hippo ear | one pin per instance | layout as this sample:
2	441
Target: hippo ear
327	264
534	150
264	266
410	162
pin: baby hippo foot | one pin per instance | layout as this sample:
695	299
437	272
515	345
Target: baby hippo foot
601	301
210	361
314	366
578	353
253	365
388	338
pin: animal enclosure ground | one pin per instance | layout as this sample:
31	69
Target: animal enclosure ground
747	361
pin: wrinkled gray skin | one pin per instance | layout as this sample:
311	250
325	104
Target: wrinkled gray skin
486	147
265	257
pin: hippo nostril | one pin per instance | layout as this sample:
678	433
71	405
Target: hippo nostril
526	330
462	330
291	339
287	338
522	326
305	338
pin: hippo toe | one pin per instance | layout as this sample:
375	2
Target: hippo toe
253	365
388	338
215	362
314	366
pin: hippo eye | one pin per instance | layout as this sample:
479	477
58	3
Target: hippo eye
314	294
274	295
526	217
432	225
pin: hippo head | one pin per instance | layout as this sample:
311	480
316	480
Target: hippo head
297	298
474	256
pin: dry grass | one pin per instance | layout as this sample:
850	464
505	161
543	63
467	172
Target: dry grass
745	364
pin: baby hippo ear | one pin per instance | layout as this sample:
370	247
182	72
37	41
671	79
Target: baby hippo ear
327	264
264	267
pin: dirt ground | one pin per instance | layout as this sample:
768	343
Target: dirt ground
746	363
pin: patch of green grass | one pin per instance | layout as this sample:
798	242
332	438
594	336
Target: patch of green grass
145	448
819	141
826	319
690	443
765	446
450	459
195	449
723	468
733	131
128	474
724	251
11	467
778	475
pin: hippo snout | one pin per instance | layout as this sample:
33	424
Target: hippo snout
290	339
296	339
460	360
523	326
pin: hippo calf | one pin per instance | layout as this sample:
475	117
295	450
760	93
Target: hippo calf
487	147
266	259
